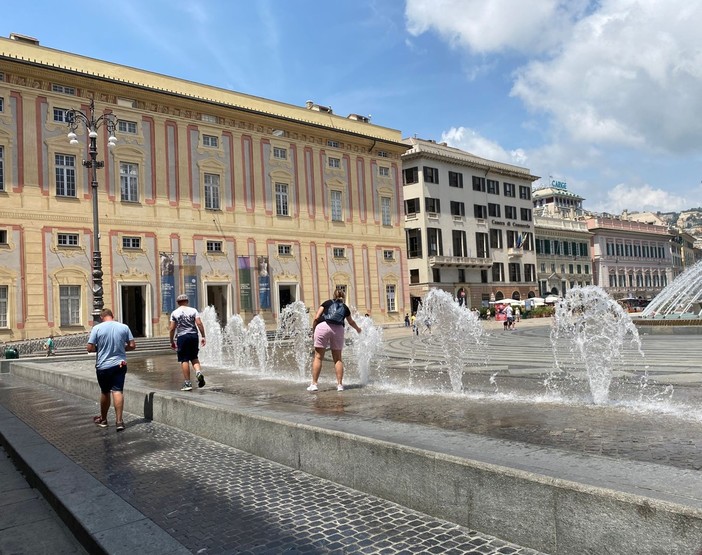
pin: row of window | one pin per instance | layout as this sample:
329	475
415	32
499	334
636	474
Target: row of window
572	268
496	273
480	211
641	280
131	242
455	179
484	242
566	248
65	170
637	250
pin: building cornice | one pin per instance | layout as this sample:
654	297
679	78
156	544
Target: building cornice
74	64
419	148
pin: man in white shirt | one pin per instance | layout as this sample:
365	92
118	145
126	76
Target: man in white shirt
185	324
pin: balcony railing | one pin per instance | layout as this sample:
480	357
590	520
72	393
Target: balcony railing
515	252
460	261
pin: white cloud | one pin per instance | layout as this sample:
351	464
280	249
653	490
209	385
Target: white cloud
471	141
630	75
645	198
615	72
495	25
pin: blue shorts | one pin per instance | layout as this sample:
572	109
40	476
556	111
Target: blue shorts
111	379
188	347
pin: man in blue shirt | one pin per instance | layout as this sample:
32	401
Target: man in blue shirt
110	340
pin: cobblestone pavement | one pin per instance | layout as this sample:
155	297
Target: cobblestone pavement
216	499
27	519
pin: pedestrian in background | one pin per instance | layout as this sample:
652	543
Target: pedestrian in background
110	340
185	324
328	330
50	346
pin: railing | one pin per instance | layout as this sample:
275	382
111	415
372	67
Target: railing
28	347
515	252
459	261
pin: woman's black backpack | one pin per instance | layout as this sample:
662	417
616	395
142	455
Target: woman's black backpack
335	314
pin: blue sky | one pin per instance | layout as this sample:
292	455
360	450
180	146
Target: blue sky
605	95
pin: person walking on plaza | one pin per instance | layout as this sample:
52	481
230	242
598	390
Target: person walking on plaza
328	330
509	314
50	346
110	340
185	323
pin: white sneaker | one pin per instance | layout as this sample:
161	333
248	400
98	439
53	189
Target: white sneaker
340	387
312	387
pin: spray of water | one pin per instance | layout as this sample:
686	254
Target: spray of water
682	298
211	353
293	334
234	341
256	343
589	331
455	331
366	346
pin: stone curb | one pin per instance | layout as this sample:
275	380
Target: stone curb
546	513
99	518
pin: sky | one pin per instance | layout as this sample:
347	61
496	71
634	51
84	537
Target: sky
604	95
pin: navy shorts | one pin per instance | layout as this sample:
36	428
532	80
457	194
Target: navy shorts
188	347
111	379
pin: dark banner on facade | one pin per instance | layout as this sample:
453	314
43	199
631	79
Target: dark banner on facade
245	283
190	278
167	282
264	283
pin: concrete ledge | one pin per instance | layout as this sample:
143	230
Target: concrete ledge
544	512
101	520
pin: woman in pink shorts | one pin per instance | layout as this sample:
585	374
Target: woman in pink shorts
328	328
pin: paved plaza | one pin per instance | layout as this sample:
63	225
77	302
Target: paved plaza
213	498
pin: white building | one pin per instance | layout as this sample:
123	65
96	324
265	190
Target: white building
469	225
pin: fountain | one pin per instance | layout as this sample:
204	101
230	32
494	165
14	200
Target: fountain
211	354
681	299
235	345
590	334
294	334
589	330
366	346
256	344
455	331
234	341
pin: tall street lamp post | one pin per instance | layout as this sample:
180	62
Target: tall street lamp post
75	119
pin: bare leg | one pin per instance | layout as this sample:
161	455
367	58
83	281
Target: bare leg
196	365
185	367
338	366
118	398
104	405
317	363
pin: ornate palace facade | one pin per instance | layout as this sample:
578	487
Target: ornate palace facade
243	203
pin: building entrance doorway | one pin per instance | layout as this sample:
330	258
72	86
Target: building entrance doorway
287	294
217	297
134	308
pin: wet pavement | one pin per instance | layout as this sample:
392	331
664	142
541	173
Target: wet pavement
656	423
215	499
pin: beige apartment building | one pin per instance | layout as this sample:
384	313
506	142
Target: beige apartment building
631	260
243	203
469	225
